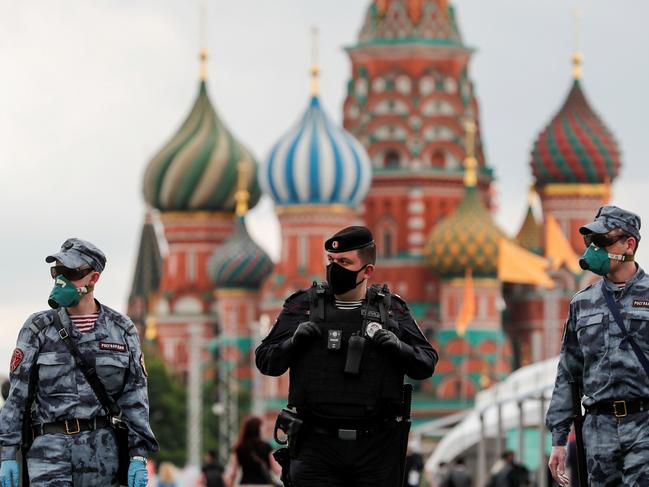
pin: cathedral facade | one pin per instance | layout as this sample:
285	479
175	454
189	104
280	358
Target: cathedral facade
408	163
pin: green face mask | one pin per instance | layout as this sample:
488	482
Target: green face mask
598	260
65	294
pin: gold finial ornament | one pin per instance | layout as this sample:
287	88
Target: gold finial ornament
242	196
202	70
202	53
470	162
577	56
315	68
531	196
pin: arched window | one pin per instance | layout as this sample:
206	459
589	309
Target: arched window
387	249
438	159
391	159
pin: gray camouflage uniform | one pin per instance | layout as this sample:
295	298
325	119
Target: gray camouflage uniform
617	448
87	458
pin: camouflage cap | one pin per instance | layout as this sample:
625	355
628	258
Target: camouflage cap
75	253
611	217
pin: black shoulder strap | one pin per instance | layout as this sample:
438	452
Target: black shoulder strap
615	309
88	372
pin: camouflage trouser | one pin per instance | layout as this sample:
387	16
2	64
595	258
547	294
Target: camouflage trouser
617	450
87	459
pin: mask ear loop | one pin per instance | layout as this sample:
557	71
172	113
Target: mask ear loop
621	257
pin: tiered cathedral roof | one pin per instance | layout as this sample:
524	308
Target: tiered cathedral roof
407	21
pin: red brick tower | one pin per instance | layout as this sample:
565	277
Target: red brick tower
408	96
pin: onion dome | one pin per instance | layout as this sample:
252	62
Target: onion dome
468	238
576	146
316	163
239	263
410	21
196	169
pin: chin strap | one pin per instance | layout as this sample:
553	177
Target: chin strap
621	257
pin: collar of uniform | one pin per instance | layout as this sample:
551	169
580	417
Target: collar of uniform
611	286
99	331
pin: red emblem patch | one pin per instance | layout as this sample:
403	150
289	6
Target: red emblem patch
146	374
16	359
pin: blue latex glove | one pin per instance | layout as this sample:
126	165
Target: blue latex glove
137	474
9	473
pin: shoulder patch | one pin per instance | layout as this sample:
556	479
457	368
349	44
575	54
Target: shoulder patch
16	359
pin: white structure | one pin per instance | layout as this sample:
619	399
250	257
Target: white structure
518	402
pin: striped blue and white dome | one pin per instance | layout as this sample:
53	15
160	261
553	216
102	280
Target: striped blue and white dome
316	163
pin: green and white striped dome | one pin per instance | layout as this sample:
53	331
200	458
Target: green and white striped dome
197	169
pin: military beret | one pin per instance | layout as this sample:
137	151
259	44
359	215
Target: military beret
75	253
350	238
611	217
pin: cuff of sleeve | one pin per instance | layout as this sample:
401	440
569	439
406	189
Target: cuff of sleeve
559	438
9	453
138	452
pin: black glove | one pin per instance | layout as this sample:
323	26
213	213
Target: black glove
387	340
305	333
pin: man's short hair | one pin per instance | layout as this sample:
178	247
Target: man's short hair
367	254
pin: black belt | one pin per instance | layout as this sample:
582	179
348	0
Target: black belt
353	434
71	426
620	408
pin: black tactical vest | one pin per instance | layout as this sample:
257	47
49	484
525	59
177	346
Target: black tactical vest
318	382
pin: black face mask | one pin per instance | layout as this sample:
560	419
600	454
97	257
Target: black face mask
342	280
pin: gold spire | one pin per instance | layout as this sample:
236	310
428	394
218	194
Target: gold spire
470	162
202	52
531	196
241	196
315	68
577	56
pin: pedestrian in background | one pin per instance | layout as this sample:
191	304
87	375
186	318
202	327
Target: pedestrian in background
167	475
212	470
251	457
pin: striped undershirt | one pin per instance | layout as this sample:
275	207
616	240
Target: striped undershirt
340	304
84	323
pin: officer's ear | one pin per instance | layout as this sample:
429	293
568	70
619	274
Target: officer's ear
94	278
368	271
631	244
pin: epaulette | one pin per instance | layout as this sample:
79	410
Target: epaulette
295	295
39	321
584	290
120	320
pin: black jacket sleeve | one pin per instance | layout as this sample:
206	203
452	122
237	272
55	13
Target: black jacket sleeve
275	354
416	355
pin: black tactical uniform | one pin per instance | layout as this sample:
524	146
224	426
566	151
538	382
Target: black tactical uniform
350	436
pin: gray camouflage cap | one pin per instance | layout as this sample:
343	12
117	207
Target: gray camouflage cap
611	217
75	253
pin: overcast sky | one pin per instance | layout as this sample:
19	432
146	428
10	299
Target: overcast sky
90	90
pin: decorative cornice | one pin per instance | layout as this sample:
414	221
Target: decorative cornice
566	189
